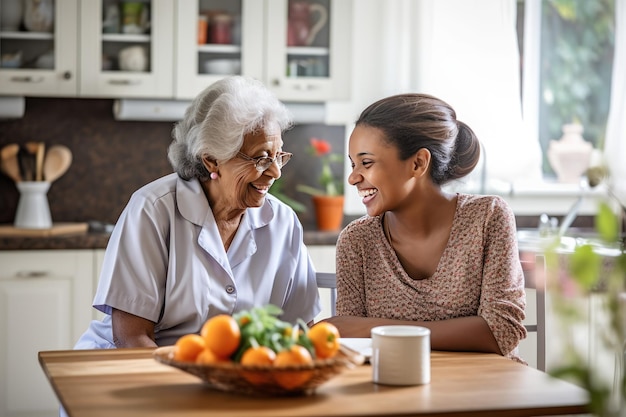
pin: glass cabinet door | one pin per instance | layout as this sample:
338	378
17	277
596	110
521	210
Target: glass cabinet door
217	38
126	48
38	47
308	49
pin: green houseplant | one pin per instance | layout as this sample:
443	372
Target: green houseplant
328	199
589	272
331	185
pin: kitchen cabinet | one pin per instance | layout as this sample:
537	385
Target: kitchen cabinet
258	44
85	55
126	52
45	304
40	63
199	60
318	71
90	51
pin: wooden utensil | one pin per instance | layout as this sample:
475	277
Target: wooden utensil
9	162
37	150
26	162
39	157
58	159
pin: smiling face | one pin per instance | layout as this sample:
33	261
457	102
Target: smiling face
383	181
240	184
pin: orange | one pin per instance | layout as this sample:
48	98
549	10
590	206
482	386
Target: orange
325	339
222	335
258	355
207	357
188	347
296	355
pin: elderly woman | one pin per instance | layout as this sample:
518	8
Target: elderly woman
208	239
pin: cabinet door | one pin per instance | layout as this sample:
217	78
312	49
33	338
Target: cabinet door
38	58
217	38
45	304
126	48
308	59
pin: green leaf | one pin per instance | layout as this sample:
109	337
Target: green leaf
303	188
607	223
273	310
585	266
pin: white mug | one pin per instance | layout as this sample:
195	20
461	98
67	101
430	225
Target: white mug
400	355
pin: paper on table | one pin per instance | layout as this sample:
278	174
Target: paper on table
363	345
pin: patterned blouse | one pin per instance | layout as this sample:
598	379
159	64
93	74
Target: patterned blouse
479	273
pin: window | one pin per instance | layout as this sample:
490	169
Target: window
566	51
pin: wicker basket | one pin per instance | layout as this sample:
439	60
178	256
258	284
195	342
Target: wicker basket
234	377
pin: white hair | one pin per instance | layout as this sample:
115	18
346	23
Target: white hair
217	120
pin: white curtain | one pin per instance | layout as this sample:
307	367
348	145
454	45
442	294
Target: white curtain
615	146
470	59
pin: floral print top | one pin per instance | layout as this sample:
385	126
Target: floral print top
479	273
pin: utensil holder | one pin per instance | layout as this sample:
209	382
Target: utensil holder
33	211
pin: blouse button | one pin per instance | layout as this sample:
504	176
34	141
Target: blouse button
230	289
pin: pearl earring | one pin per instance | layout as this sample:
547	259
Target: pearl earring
213	175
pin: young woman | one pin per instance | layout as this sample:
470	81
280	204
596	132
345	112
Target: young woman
422	256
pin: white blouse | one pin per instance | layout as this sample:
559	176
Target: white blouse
165	262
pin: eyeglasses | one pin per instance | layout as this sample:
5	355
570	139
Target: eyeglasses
262	163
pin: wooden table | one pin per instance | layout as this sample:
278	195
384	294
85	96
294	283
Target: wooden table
129	382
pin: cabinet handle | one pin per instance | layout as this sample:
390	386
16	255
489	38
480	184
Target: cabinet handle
124	82
32	274
67	75
307	87
300	86
27	79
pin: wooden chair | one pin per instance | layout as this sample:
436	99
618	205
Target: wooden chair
534	278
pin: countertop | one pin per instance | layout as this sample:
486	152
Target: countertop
93	240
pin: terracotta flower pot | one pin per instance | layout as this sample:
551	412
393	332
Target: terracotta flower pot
328	212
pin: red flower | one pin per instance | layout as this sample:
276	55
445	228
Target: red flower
330	184
320	146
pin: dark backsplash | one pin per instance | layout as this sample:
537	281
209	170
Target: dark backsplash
111	159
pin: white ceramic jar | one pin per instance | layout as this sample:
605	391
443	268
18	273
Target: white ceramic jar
570	156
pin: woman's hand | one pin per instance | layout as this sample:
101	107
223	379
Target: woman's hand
471	334
131	331
354	326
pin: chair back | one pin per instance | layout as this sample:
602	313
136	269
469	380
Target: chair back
329	280
535	279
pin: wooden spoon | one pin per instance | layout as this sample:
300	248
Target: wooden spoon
40	155
57	161
38	150
9	162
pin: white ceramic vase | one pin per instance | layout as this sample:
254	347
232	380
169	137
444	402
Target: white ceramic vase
33	211
570	156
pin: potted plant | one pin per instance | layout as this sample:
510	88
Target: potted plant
327	200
